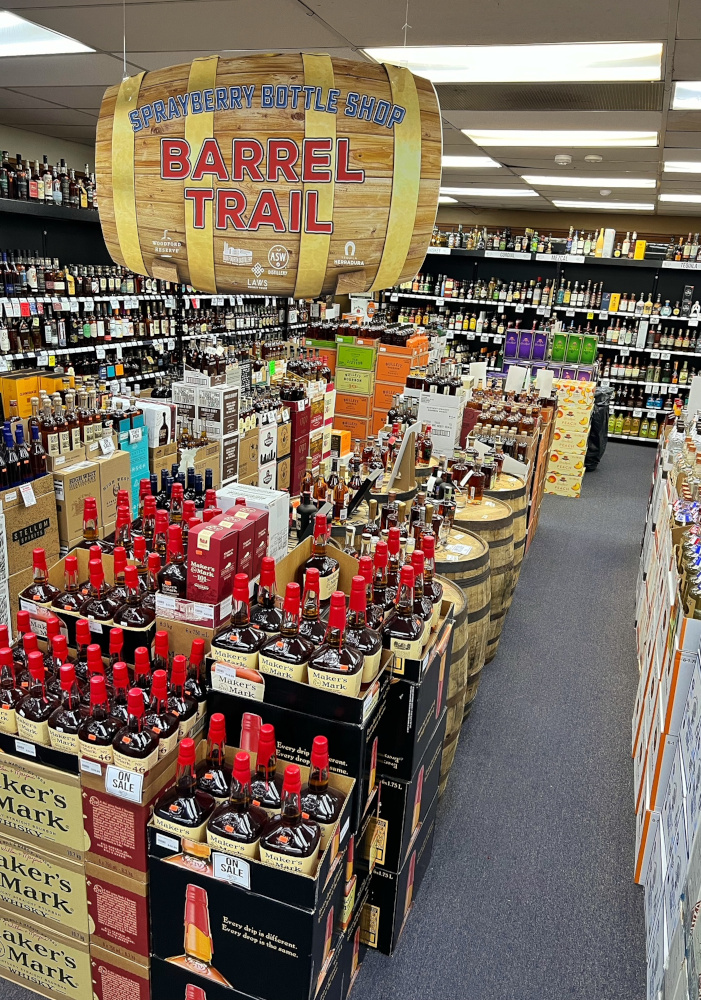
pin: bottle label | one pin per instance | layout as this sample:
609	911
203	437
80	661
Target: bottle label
292	671
64	439
300	866
328	584
232	679
67	742
247	660
139	765
197	833
8	719
103	754
371	665
166	743
52	445
346	683
410	649
427	631
232	846
75	438
185	725
436	614
37	732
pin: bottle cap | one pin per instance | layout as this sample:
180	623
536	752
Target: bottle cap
140	548
175	540
266	743
149	506
267	571
217	728
192	522
123	515
120	559
71	564
196	903
321	525
394	541
98	690
120	676
161	644
159	685
189	510
142	663
68	677
210	498
250	731
95	552
29	642
53	627
154	562
417	562
240	502
144	488
406	576
311	580
135	702
82	631
39	559
95	664
320	753
89	509
242	768
59	647
381	554
208	514
116	640
161	521
365	567
292	782
6	657
23	620
36	665
176	492
186	751
292	599
241	587
428	546
337	611
123	497
178	672
196	652
131	578
358	600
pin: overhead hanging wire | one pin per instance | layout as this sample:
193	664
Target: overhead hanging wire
124	39
406	25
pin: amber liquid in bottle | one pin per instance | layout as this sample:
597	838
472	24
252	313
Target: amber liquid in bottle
10	693
183	809
148	601
213	773
403	631
236	825
180	704
132	614
40	590
70	598
159	717
327	566
99	606
194	685
198	940
290	841
319	801
359	636
433	589
287	654
135	746
98	731
66	720
240	642
422	605
311	627
172	579
119	702
266	787
35	707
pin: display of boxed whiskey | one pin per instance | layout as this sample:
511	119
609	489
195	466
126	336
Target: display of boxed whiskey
26	527
110	896
114	975
49	963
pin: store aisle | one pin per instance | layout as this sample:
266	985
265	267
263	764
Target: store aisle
530	891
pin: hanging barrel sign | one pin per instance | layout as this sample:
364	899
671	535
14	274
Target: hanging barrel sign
295	175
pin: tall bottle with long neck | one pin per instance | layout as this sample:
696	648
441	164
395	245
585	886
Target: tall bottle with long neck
40	592
311	627
35	707
98	731
194	685
66	720
10	693
319	800
236	825
265	614
328	567
359	635
158	715
135	745
266	786
422	604
183	809
213	773
433	589
403	631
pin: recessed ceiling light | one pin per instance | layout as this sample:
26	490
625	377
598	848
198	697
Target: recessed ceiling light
444	200
556	137
481	192
469	161
621	206
682	166
687	96
527	63
690	199
562	180
22	38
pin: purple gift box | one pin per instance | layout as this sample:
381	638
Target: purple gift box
511	344
525	344
540	346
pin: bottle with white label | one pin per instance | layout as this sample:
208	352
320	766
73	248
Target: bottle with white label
240	642
403	631
291	841
328	566
265	614
35	708
359	635
66	720
158	716
183	809
287	654
135	746
336	666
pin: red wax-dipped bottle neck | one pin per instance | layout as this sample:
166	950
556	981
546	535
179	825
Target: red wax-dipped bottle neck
39	559
68	677
428	546
176	492
6	658
53	627
95	664
337	611
197	652
161	521
22	621
98	690
358	601
159	686
186	751
36	665
417	562
393	542
154	562
381	554
321	526
242	768
406	576
82	632
320	753
59	647
70	565
311	580
120	559
29	642
120	676
217	728
131	577
117	638
149	506
189	510
266	744
161	644
267	572
292	599
140	548
241	587
178	673
292	782
135	702
196	903
175	540
365	567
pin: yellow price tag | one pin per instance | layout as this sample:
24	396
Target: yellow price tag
52	361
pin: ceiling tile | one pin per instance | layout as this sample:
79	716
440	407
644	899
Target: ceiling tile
689	19
69	97
78	133
44	116
12	99
636	120
687	59
159	60
92	68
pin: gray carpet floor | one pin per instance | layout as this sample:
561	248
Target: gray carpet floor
530	892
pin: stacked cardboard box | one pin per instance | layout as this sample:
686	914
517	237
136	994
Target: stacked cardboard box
100	478
215	410
569	447
355	385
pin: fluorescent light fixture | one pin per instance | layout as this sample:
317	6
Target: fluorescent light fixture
469	162
689	199
480	192
619	206
687	96
22	38
527	63
559	138
445	200
561	180
682	166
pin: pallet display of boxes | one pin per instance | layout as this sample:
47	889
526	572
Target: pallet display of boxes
569	446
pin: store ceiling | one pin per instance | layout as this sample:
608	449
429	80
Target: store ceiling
59	95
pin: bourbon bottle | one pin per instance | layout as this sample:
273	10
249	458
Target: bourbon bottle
423	607
82	641
213	773
403	631
141	561
161	651
23	626
180	704
265	614
10	693
119	707
142	672
235	826
183	809
70	598
95	667
34	709
116	648
119	590
336	666
311	627
266	787
40	591
433	589
381	601
394	564
98	731
29	645
290	841
59	656
66	720
135	746
133	614
374	612
328	566
91	527
148	601
159	717
287	654
99	606
172	579
359	636
240	642
319	801
194	685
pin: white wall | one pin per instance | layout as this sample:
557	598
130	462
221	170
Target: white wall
33	146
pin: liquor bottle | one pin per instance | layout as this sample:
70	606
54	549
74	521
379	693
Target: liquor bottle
59	656
358	635
287	654
158	715
328	566
311	627
266	787
290	841
10	693
133	614
433	589
99	605
29	646
24	462
40	591
135	746
115	649
181	704
70	598
37	455
423	606
142	672
265	615
183	809
95	667
148	601
198	938
120	693
119	590
160	535
380	597
374	613
213	773
82	641
172	579
394	563
336	666
403	631
306	511
319	801
235	826
66	720
194	685
140	557
23	627
161	652
34	709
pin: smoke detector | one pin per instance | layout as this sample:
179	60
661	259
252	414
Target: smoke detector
563	159
593	158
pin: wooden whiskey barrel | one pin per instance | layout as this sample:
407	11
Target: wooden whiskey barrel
512	489
492	520
464	560
456	680
277	174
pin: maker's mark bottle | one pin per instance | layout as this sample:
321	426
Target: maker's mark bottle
291	841
235	826
183	809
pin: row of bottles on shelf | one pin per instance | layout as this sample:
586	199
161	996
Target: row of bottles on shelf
24	272
226	320
637	398
43	183
634	426
640	367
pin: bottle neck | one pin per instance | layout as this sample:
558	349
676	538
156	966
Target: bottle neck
357	619
405	600
216	754
185	780
290	623
319	780
241	616
291	807
240	795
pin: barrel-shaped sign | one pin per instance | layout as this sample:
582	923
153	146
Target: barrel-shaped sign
296	175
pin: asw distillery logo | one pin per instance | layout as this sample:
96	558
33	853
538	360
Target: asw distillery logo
349	257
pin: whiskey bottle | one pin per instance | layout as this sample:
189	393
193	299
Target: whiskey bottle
290	841
422	605
23	626
40	591
91	530
99	606
119	590
266	787
135	746
394	564
194	685
336	666
159	717
359	636
433	589
82	641
374	612
172	579
34	709
70	598
180	704
95	667
213	773
311	627
320	802
403	631
59	656
141	562
381	598
160	536
148	601
240	642
142	672
66	720
198	937
287	654
235	826
53	628
29	646
119	708
133	614
328	566
265	614
183	809
10	693
116	648
98	731
161	653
